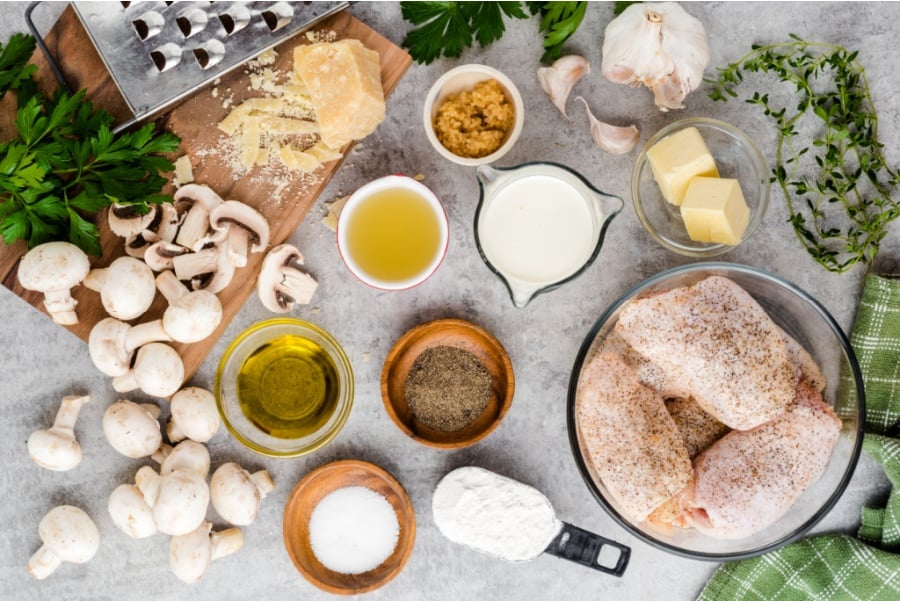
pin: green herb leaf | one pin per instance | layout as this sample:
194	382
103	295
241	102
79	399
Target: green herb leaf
559	20
15	72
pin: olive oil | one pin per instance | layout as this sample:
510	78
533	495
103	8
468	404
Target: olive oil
393	235
288	387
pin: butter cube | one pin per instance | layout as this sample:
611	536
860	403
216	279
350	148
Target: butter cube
678	158
714	210
344	82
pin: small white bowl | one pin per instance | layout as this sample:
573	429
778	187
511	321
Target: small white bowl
360	197
461	79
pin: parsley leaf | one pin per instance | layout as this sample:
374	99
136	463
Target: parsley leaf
559	20
66	163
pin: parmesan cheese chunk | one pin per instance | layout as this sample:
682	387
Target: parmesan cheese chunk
344	82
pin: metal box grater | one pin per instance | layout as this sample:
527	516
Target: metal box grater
158	53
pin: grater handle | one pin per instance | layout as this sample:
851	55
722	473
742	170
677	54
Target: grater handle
40	43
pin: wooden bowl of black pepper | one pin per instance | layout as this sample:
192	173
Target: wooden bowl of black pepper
447	383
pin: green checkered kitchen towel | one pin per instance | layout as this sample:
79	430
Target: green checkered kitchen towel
833	567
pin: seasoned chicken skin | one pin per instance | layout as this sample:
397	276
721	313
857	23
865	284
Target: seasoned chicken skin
748	480
717	345
630	438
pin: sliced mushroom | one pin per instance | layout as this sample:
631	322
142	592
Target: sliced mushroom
201	200
126	221
132	429
158	371
194	415
190	554
192	315
240	229
169	223
54	269
159	255
281	283
210	269
56	448
126	287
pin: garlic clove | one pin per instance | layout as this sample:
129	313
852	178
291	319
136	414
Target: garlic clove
611	138
660	46
558	79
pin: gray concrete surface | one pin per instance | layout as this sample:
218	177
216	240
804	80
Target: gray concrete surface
41	363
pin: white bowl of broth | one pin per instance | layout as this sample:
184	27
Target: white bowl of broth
393	233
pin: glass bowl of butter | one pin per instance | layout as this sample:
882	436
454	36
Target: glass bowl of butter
700	187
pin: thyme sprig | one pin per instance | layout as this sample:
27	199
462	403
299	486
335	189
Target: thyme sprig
838	186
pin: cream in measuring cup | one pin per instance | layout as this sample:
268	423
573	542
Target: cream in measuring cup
539	225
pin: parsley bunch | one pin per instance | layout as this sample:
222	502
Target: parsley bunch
838	186
448	28
66	163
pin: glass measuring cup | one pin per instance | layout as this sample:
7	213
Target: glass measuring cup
539	225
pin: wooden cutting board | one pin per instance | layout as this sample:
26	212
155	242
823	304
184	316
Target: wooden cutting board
195	121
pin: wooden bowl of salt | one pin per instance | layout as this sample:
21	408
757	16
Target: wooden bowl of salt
344	515
461	361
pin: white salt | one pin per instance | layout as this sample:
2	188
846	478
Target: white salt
353	530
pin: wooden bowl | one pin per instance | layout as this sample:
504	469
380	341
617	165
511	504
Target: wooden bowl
460	334
312	489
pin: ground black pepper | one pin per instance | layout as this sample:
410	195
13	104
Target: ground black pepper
447	388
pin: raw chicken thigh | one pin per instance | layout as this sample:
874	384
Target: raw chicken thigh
748	480
716	345
632	440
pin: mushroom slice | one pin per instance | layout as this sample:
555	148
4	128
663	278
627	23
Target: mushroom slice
136	246
281	283
169	223
158	371
244	229
190	265
54	268
559	79
190	554
201	200
68	534
159	255
191	315
193	415
56	448
126	221
126	287
611	138
132	429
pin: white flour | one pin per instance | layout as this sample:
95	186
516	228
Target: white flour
494	514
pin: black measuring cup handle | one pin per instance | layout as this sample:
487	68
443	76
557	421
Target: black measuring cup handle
578	545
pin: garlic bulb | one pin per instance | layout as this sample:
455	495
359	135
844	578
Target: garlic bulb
558	79
659	45
611	138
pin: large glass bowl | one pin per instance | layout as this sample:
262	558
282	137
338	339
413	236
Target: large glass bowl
256	338
736	156
808	322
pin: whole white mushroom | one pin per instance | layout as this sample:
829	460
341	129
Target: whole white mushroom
68	534
186	455
132	429
179	500
190	554
194	415
56	448
236	493
130	512
54	268
158	371
126	287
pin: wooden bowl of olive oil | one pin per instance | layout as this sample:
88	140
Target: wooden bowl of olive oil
284	387
459	354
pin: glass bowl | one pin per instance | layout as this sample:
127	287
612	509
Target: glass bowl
810	324
736	157
310	355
